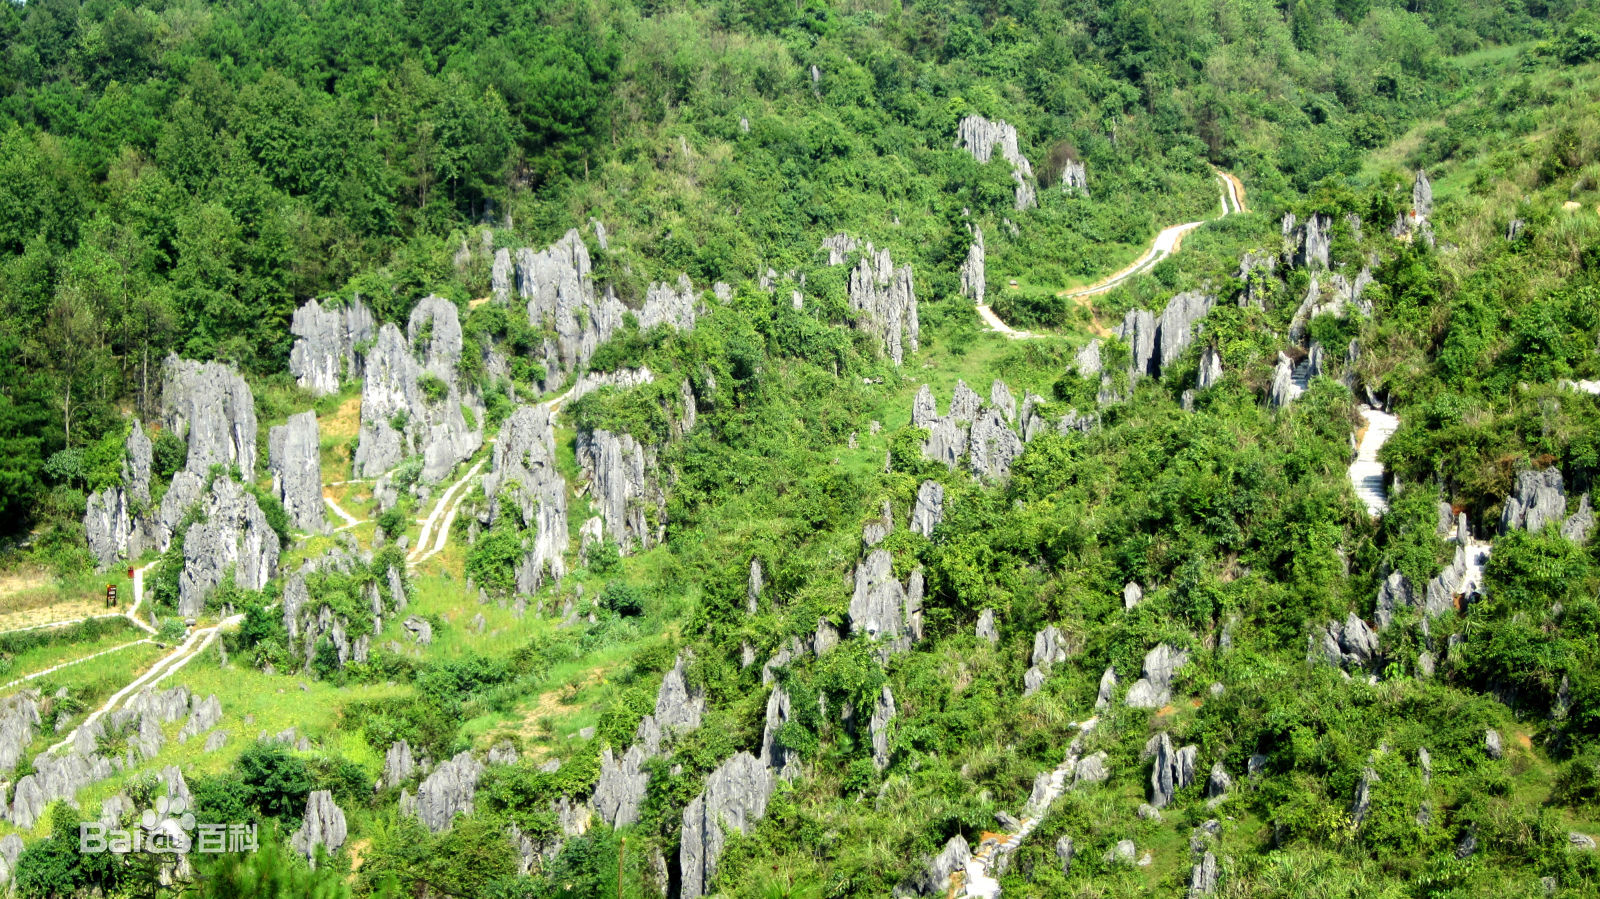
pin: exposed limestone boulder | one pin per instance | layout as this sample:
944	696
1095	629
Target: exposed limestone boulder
501	753
1179	323
619	793
735	797
1422	195
19	722
1578	525
1203	877
1363	801
982	138
1255	273
210	406
928	510
1091	769
1171	770
397	764
934	878
1074	178
972	270
1352	645
1394	594
622	479
330	342
294	456
500	274
112	519
1210	368
1219	783
1087	359
404	410
622	378
992	445
523	480
234	535
1306	246
445	793
752	592
880	608
1138	330
1492	745
323	825
1132	595
216	740
1030	421
1108	684
1539	499
1154	688
1283	390
204	714
1000	398
419	629
557	286
881	295
986	628
783	760
877	529
882	713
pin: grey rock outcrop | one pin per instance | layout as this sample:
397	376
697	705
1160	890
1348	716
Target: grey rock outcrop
781	759
621	475
1179	323
1284	390
619	794
1203	877
1171	770
234	536
1087	359
973	283
986	628
1154	688
1422	195
1132	595
1492	745
1210	368
397	764
403	411
992	445
753	587
523	480
112	519
1108	684
982	138
210	407
204	714
1351	645
500	275
1074	178
934	878
1306	246
882	296
1091	769
19	722
323	825
294	458
330	342
883	712
420	631
1394	594
1538	500
928	510
1363	801
216	740
445	793
1138	330
735	797
881	608
1255	273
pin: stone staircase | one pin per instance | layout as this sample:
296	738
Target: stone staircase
1366	472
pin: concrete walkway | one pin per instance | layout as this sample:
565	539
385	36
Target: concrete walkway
1366	472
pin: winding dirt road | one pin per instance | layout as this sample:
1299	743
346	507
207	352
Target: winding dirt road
1167	242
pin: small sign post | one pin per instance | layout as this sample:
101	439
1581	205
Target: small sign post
111	596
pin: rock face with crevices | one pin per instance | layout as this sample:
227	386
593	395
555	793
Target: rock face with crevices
445	793
623	485
1210	368
330	344
118	521
1074	178
1351	645
881	608
210	407
323	825
619	794
973	283
19	721
523	480
980	432
234	535
412	401
883	712
1157	342
881	294
982	138
1540	499
1307	245
1171	770
735	798
294	456
928	510
1154	688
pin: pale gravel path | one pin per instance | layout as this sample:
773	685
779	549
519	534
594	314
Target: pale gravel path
1366	472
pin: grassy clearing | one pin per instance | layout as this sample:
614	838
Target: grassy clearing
75	643
32	597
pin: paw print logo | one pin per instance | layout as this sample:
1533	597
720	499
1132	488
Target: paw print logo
169	825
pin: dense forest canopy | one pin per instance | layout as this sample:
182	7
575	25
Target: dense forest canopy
1302	502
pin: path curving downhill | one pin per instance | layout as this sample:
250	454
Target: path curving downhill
1366	472
1167	242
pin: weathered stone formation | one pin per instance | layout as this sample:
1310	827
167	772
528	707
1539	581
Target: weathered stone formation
559	290
10	851
1154	688
1171	770
330	344
1336	296
117	520
883	712
1255	271
403	409
204	714
500	274
1087	359
19	721
1306	246
445	793
1210	368
398	765
1285	387
310	620
623	485
981	137
1158	342
1352	646
234	535
1075	178
782	760
1049	648
323	825
735	797
210	406
972	270
882	295
883	610
294	458
934	877
524	479
981	432
928	510
619	794
1540	499
986	629
1203	877
1108	685
622	379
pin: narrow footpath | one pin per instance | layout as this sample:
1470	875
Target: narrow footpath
1366	472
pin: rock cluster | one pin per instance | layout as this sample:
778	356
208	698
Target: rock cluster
883	712
934	878
1049	648
981	137
398	765
619	793
330	344
1171	770
445	793
735	797
294	456
928	510
1540	499
1154	687
882	295
234	535
972	269
523	480
1074	178
1157	342
1306	246
19	722
412	401
881	608
210	407
979	432
623	486
1351	645
1255	271
323	825
117	520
